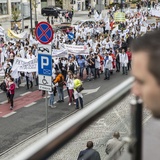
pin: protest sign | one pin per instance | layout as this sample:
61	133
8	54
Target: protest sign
25	65
75	49
22	35
59	53
119	17
143	29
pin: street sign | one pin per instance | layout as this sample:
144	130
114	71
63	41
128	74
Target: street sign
44	32
70	35
45	82
45	67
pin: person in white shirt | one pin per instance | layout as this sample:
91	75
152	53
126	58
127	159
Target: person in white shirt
97	65
70	86
107	66
124	61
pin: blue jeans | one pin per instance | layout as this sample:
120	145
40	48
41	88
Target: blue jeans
60	93
77	102
107	73
81	72
124	70
51	100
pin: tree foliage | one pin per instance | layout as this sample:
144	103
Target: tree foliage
15	14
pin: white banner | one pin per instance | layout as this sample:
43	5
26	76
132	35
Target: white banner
25	65
59	53
143	29
74	49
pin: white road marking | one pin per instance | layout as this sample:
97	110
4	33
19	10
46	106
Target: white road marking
25	93
65	97
7	115
4	102
31	104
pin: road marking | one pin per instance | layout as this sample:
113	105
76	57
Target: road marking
65	97
7	115
25	93
31	104
4	102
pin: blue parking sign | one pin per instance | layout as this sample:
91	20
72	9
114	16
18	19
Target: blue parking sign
70	35
45	64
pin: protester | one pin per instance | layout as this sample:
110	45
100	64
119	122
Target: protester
60	80
11	91
70	87
77	94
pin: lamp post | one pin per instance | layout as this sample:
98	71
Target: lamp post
22	16
31	17
36	22
121	5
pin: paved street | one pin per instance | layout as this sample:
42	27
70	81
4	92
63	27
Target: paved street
77	16
28	116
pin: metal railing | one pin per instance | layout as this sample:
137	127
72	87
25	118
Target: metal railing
52	142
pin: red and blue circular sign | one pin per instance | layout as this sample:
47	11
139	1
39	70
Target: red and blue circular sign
44	32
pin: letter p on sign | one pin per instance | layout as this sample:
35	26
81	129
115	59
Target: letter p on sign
44	61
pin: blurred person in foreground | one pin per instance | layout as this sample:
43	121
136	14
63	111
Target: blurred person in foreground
89	153
146	70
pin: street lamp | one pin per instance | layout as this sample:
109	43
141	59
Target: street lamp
31	16
35	22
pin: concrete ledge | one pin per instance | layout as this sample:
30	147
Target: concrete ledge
5	18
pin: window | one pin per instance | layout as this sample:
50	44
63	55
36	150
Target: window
3	7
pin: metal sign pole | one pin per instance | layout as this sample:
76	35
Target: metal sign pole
46	112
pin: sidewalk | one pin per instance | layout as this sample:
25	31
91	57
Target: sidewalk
79	15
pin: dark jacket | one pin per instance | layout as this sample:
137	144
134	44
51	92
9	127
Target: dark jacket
89	154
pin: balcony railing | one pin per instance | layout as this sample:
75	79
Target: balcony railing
54	141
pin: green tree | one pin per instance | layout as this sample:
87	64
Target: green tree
15	14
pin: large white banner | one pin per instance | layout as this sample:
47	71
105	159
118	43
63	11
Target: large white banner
59	53
75	49
25	65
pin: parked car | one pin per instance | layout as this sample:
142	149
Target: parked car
52	11
63	27
83	22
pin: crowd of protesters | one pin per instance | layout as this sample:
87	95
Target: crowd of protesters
107	51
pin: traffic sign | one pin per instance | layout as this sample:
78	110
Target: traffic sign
44	32
45	67
45	82
70	35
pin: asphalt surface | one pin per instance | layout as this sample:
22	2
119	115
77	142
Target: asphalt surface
30	120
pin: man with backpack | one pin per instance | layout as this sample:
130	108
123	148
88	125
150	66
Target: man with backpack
60	80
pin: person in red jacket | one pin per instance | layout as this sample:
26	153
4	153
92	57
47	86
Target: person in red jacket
129	58
11	90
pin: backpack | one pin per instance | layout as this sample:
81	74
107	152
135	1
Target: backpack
61	83
3	86
71	67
